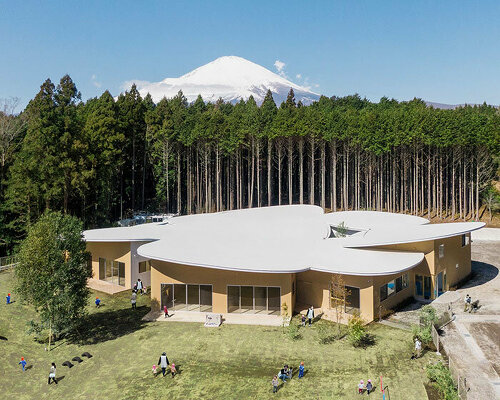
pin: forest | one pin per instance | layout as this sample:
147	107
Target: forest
104	159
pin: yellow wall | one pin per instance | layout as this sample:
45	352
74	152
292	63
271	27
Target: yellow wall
313	289
165	272
116	251
454	254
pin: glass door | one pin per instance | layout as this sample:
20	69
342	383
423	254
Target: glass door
233	298
180	297
246	298
193	297
439	288
260	299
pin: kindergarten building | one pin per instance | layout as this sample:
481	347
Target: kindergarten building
259	260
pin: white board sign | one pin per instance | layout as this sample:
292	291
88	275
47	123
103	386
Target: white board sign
213	320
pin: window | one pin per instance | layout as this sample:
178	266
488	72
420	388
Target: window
391	288
406	280
465	240
352	299
394	286
383	292
144	266
253	299
399	284
186	297
112	271
441	250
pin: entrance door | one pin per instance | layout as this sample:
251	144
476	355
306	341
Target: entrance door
439	288
423	286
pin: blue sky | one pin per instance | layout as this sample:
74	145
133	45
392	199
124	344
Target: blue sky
442	51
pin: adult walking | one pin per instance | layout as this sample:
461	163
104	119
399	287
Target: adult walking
140	286
310	315
52	373
163	363
133	300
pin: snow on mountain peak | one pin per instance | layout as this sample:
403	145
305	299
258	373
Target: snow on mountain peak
230	78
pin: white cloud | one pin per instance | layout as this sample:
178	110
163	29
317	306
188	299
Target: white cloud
280	65
316	85
298	76
94	81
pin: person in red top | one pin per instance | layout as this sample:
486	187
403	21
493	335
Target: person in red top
165	310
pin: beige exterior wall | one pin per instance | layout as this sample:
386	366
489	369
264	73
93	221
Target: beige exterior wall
313	289
116	251
456	261
165	272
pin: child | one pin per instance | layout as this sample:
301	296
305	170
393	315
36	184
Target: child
97	302
360	386
173	371
301	369
275	382
8	298
369	386
303	320
165	310
154	370
23	363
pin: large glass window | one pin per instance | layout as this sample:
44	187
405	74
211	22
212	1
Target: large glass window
112	271
254	299
193	295
182	297
180	293
383	292
352	299
144	266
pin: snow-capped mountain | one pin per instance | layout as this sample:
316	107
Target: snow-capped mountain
230	78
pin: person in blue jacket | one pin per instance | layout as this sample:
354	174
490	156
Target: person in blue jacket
8	298
97	302
23	363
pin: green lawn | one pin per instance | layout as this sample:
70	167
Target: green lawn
230	362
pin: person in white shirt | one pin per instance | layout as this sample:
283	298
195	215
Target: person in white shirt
418	347
52	374
467	301
310	315
163	362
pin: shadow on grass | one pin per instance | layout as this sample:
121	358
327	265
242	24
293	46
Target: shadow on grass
3	338
108	325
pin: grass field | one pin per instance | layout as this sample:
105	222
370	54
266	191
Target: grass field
230	362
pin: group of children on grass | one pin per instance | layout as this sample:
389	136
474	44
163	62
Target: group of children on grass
286	373
362	387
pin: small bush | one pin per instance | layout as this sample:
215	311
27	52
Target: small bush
423	333
441	379
356	332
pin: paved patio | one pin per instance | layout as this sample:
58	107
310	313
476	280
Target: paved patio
230	318
103	286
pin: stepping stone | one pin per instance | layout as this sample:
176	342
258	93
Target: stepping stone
67	364
86	354
77	359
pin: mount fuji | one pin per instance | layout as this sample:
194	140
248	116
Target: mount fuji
230	78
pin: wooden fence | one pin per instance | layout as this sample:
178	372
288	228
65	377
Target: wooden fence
8	262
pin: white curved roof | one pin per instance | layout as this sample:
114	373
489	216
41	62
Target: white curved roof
285	239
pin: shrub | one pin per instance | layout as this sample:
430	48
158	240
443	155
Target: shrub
441	379
356	332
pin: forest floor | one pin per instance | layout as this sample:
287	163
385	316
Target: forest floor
229	362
